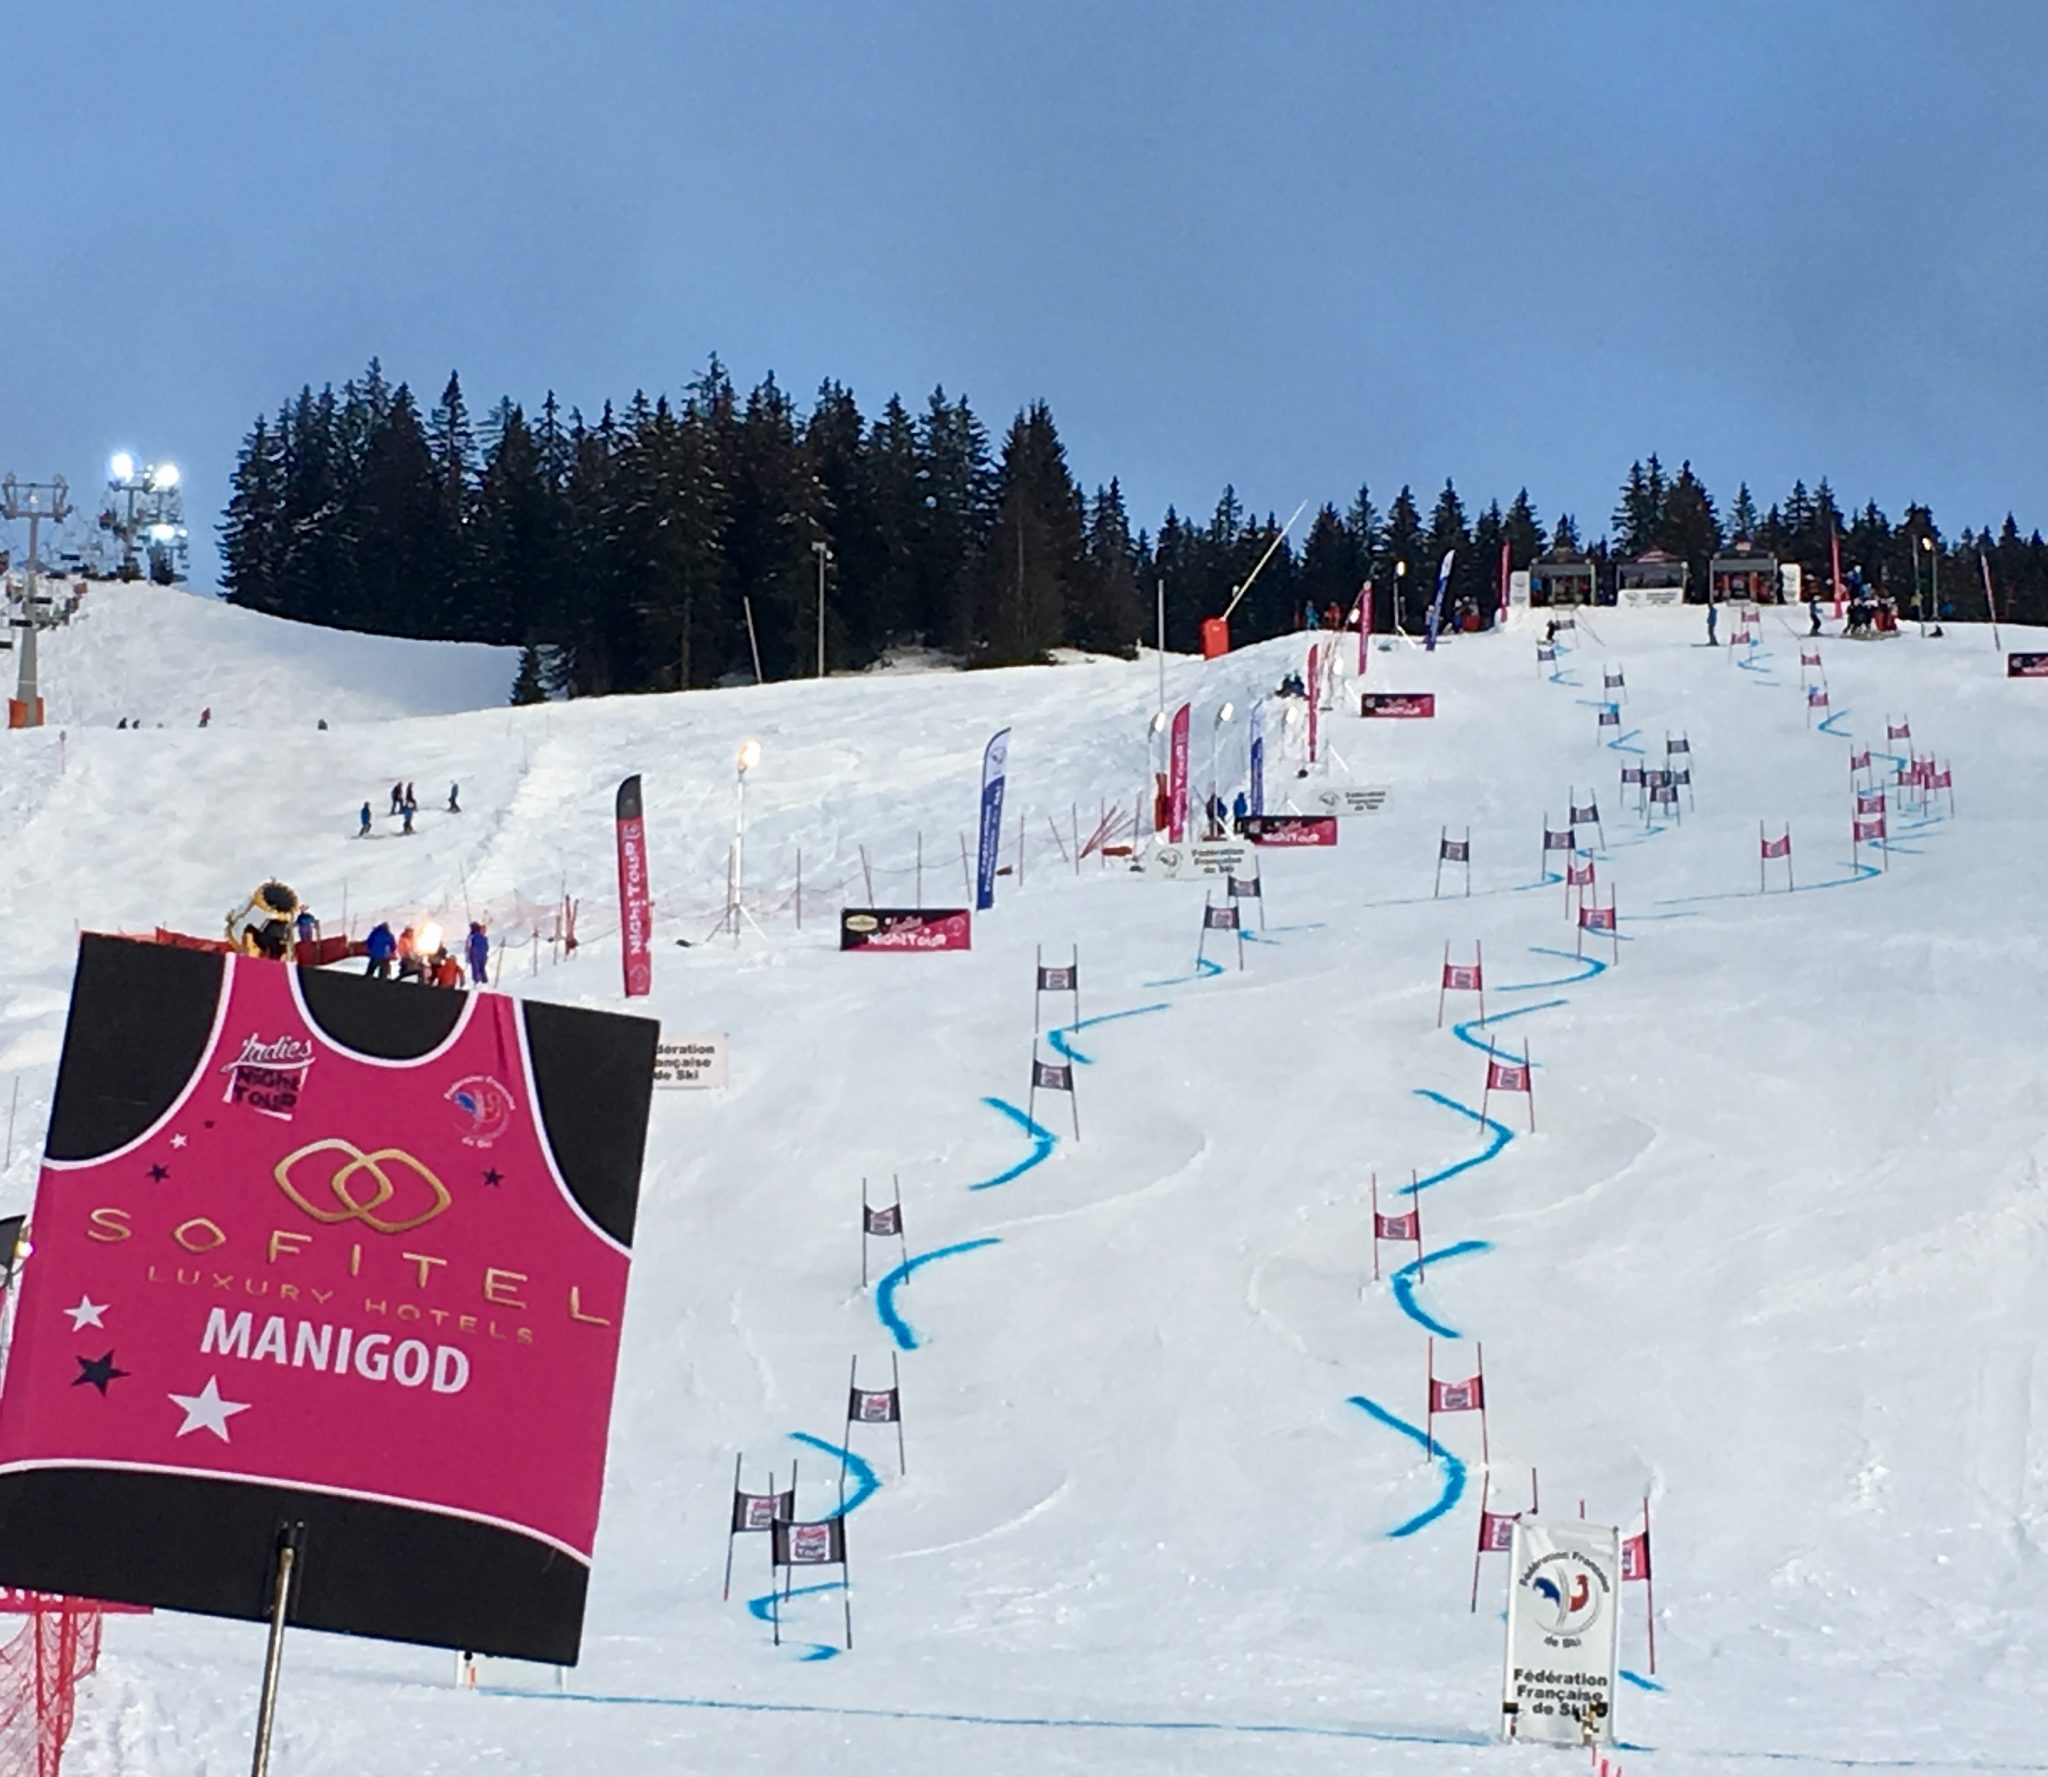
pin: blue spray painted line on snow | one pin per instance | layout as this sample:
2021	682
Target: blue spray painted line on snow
1639	1681
1043	1142
964	1718
1463	1032
1058	1038
1454	1470
1550	880
1863	873
866	1484
1205	970
1501	1135
1828	727
1297	1730
900	1329
1589	965
1405	1281
1619	744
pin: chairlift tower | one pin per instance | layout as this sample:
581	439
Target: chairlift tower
34	501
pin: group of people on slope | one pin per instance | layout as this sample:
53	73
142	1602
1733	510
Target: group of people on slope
405	803
436	968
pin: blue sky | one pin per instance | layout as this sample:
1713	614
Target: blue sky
1293	246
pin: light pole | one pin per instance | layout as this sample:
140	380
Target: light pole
1933	580
823	551
161	515
1400	576
1215	781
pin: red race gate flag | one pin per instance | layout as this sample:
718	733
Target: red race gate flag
1496	1529
636	949
1461	978
1635	1565
1597	919
1462	1396
1768	849
1403	1228
1177	778
1904	731
1509	1076
1859	761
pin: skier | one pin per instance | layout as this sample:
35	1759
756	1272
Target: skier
363	832
1241	806
408	960
454	800
406	814
206	716
1713	616
479	953
380	946
123	723
307	927
398	798
411	800
1813	612
447	971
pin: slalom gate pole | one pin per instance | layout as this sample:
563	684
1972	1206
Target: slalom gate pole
732	1535
290	1538
1479	1545
896	1383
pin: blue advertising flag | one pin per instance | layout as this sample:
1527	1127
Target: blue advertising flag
1257	799
1436	605
992	763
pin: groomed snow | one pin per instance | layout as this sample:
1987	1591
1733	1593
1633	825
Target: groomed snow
1774	1254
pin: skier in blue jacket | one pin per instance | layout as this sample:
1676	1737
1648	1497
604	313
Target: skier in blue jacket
479	954
381	947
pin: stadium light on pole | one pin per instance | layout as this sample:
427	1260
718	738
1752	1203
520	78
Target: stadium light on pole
1934	580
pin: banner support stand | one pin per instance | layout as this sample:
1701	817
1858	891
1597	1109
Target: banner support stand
289	1540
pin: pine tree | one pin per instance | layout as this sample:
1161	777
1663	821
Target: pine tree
1365	524
1404	547
1331	567
1565	534
1108	615
835	445
959	506
1743	521
1450	535
1635	518
1689	527
1524	531
447	571
895	495
252	534
528	687
397	547
1032	569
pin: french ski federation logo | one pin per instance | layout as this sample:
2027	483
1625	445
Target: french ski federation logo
484	1109
1568	1593
268	1077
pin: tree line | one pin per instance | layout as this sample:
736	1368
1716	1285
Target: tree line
681	543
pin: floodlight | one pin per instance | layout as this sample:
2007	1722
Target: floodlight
749	754
122	466
165	475
1226	712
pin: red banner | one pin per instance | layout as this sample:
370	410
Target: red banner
14	1602
2026	666
1177	778
1289	829
1364	628
1397	703
315	1247
636	954
906	928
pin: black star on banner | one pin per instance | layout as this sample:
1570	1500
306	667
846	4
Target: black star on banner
99	1371
157	1174
493	1177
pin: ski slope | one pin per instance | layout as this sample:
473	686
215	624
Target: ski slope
1773	1254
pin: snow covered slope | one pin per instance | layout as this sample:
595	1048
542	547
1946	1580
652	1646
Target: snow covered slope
1773	1255
161	654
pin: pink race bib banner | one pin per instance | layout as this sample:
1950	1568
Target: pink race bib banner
330	1250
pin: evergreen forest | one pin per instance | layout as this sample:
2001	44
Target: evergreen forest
675	543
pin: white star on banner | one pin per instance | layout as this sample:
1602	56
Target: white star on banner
177	1141
207	1411
86	1314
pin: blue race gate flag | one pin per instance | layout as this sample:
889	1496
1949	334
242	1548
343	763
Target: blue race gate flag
1436	605
992	763
1257	800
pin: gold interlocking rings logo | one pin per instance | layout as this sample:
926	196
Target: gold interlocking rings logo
361	1204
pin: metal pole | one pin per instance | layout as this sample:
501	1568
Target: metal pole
1162	644
273	1659
824	554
